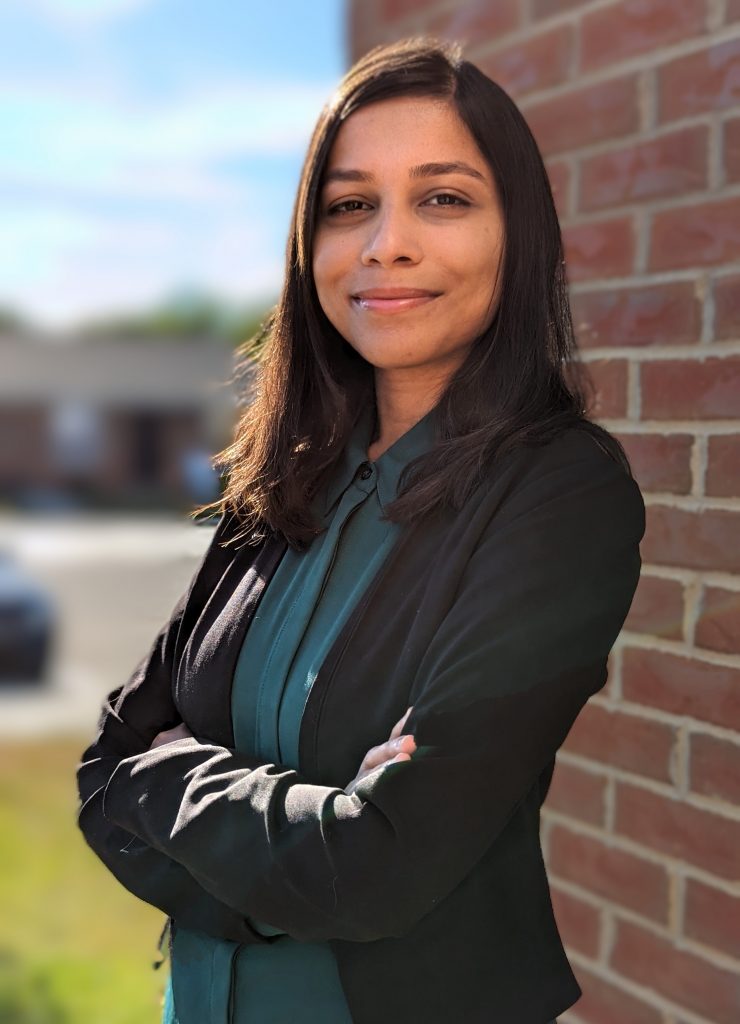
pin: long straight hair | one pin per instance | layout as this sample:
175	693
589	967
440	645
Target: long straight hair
522	382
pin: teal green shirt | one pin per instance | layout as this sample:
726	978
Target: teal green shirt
299	616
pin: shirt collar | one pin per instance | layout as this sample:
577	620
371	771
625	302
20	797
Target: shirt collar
418	439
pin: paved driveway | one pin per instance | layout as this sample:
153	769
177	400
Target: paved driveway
114	582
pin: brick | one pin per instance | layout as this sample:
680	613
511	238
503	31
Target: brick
660	462
727	307
667	165
544	8
537	62
390	10
609	377
718	627
682	686
657	314
696	83
731	148
577	921
609	690
578	793
630	27
723	466
657	608
712	917
602	248
364	27
705	234
691	834
625	741
604	1003
588	114
691	388
613	874
475	23
692	540
559	173
715	768
681	976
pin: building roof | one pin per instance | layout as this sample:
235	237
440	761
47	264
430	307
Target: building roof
166	372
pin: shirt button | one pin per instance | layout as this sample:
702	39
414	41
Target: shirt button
365	471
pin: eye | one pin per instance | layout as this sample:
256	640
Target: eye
347	206
447	199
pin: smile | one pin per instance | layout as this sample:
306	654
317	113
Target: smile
392	300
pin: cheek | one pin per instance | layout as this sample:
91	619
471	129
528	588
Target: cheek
478	267
324	280
319	267
327	279
332	258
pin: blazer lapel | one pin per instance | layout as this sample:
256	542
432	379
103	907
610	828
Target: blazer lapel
205	671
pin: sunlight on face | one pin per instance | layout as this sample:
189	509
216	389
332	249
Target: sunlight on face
409	235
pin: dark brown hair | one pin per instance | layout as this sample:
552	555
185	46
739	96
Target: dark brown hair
520	384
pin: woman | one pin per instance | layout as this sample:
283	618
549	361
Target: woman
424	555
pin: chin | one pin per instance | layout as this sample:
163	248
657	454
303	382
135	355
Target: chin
392	349
382	358
387	355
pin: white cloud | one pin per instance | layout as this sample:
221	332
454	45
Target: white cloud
232	119
123	146
114	200
62	267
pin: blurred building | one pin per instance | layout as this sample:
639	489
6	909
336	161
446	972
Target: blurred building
117	423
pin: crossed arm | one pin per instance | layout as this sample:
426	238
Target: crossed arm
396	748
220	836
138	717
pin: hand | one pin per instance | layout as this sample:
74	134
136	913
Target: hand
180	732
396	748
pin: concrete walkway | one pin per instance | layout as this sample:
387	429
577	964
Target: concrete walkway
114	582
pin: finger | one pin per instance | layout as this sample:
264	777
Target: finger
178	732
386	751
351	786
391	760
398	727
374	757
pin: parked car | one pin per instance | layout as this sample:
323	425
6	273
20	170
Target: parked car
27	620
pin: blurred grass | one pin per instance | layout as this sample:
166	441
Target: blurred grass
75	947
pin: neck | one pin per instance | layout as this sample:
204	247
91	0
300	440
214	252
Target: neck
401	401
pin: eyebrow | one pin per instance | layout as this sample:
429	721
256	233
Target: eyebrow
429	170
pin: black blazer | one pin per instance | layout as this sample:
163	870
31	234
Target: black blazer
495	623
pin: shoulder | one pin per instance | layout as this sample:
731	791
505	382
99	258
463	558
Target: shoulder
574	475
575	445
575	451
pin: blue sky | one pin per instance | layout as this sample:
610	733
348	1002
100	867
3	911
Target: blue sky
151	145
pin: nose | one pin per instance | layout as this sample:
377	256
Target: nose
392	238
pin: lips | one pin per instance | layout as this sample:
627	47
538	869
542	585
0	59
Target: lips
392	300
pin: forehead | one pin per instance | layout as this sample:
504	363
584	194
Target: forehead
402	130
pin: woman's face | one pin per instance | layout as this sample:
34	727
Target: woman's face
409	235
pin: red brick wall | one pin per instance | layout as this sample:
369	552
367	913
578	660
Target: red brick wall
636	107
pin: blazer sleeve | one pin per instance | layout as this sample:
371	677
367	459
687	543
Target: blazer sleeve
522	647
131	717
